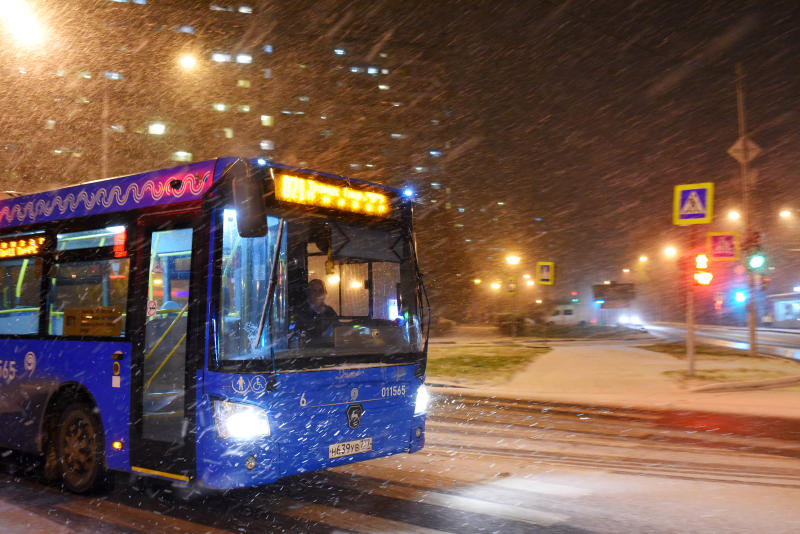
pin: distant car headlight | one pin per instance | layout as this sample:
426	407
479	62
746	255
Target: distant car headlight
240	421
421	404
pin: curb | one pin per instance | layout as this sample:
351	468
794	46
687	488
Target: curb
745	386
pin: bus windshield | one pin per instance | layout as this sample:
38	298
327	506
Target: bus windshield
345	294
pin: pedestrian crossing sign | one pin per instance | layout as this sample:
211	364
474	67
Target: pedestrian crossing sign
546	273
693	204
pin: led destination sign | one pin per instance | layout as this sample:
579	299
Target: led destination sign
20	246
310	192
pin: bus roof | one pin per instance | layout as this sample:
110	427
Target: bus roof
161	187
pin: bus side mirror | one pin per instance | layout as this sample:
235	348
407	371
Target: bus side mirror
248	199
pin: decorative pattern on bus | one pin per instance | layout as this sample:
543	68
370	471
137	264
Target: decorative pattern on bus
139	191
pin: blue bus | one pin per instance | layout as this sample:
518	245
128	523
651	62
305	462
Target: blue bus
162	324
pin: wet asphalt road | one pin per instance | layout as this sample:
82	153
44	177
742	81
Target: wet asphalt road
490	465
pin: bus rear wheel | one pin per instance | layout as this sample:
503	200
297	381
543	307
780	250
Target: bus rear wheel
79	446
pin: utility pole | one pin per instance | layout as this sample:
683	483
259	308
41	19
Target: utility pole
744	156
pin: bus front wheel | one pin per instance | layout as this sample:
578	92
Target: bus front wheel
79	447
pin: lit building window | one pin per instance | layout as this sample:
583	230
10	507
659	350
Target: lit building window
326	133
220	57
216	7
268	49
140	2
356	69
243	108
267	73
111	75
181	155
384	71
286	112
299	112
228	132
339	51
303	98
267	144
219	106
117	128
355	165
267	120
383	87
461	210
50	124
244	58
372	70
85	74
82	100
245	9
435	153
419	169
384	55
396	104
397	135
370	165
436	185
243	83
61	73
156	128
185	28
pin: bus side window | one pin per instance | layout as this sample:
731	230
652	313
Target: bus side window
88	298
20	280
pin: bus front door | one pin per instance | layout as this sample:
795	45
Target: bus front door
162	411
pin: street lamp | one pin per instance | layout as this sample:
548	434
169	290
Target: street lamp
734	215
477	281
188	61
512	260
785	214
643	258
20	20
495	285
670	251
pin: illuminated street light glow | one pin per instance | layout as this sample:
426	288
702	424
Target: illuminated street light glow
476	281
734	215
670	251
526	276
643	258
529	283
785	214
156	128
513	260
20	20
495	285
188	61
538	301
607	282
626	270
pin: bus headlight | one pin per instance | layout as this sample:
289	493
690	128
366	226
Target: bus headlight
421	404
240	421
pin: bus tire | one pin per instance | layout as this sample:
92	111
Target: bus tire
80	450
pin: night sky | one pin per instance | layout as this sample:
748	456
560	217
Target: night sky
588	113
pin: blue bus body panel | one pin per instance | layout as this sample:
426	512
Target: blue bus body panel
308	412
41	367
110	196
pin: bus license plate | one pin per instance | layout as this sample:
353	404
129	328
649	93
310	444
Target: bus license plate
347	448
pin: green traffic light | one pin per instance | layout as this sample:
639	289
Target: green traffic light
756	261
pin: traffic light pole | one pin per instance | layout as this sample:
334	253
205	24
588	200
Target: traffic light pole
743	162
689	280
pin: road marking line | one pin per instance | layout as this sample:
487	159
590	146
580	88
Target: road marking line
133	518
347	519
537	486
458	502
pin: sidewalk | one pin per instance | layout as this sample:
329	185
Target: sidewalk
616	373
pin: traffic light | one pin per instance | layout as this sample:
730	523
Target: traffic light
701	276
756	260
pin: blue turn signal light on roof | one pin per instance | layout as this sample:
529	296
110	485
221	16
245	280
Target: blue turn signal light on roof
408	192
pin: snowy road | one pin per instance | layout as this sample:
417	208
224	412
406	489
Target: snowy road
489	466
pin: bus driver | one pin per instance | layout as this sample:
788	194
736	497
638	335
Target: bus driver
314	319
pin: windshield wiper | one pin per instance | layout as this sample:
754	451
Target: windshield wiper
265	311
